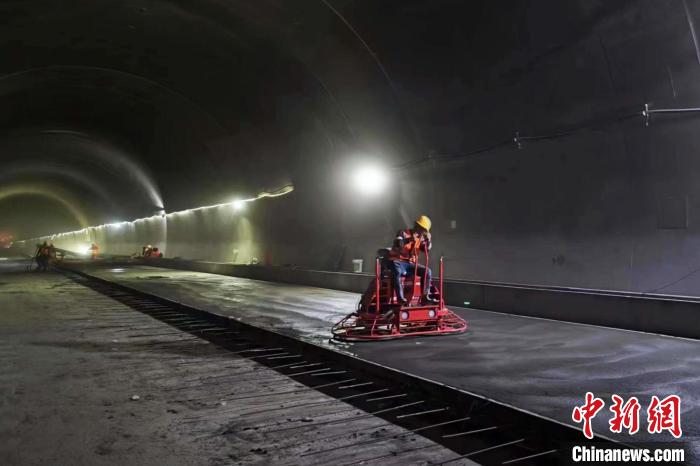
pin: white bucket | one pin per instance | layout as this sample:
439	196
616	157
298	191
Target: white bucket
357	265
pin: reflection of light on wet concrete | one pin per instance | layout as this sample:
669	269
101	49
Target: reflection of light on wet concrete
116	270
3	258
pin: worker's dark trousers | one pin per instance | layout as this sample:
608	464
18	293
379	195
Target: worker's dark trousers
400	268
42	263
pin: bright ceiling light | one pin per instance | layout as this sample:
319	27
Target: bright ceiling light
238	205
369	180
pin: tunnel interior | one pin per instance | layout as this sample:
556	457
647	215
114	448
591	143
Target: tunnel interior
521	134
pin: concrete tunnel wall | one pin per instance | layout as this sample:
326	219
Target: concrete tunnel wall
620	211
614	239
614	205
217	234
580	229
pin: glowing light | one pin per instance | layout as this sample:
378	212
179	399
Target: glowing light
369	180
238	204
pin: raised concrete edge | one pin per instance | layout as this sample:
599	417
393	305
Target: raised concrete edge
673	316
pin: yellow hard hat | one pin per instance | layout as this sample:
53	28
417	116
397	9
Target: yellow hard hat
424	222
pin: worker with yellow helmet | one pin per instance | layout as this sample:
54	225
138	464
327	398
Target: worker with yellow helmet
404	254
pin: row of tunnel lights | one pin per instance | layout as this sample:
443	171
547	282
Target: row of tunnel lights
369	180
237	205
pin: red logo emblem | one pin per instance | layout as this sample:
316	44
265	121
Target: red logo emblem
587	412
661	415
625	415
665	415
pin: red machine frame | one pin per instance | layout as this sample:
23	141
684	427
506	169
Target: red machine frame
379	315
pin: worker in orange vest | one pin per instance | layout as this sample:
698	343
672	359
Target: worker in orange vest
404	254
94	251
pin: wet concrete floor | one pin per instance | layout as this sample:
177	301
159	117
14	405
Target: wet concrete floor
538	365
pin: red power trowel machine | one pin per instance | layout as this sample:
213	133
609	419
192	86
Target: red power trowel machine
380	316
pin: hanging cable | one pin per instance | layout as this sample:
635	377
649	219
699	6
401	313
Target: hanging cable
519	139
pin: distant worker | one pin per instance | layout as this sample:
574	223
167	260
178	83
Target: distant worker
149	251
42	257
52	255
94	251
35	258
404	255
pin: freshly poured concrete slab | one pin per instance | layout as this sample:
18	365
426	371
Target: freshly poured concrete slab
538	365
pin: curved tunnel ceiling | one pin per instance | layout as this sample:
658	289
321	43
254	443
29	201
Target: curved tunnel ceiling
51	192
157	104
151	105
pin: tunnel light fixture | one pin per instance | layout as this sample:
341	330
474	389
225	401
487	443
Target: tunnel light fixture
237	205
369	180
